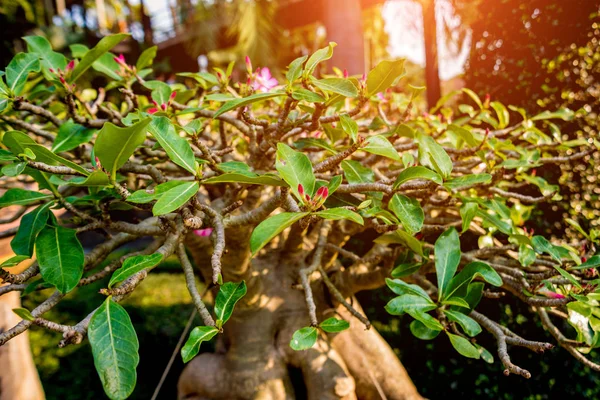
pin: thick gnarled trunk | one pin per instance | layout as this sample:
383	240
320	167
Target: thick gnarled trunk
253	357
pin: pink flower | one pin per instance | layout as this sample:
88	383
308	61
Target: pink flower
70	65
544	291
264	81
248	65
120	59
152	110
203	232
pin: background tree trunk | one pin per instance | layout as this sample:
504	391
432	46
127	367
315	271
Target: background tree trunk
432	75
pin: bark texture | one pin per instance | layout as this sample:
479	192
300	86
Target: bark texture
253	357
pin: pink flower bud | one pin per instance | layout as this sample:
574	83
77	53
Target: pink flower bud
155	103
300	189
203	232
219	75
346	73
70	65
307	197
152	110
164	107
364	77
62	80
51	70
322	192
248	65
173	95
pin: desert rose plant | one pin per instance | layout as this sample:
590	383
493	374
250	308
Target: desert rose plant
286	197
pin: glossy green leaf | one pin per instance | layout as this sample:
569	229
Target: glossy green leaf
161	92
502	113
464	134
473	96
295	69
463	346
381	146
526	255
403	238
304	338
143	196
349	126
24	313
71	135
174	198
400	287
593	262
103	46
339	86
19	69
468	324
406	269
447	257
417	173
541	245
355	172
384	75
458	285
21	197
107	65
229	294
13	261
568	276
420	331
233	104
408	211
434	156
334	325
426	319
307	95
49	59
295	168
402	304
340	213
114	145
318	56
133	265
198	335
146	58
60	257
178	149
271	227
31	224
115	348
251	179
14	169
465	181
467	213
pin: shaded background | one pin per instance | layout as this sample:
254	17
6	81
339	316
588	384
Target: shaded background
533	54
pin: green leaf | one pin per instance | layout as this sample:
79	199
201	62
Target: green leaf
406	269
334	325
568	276
526	255
14	169
434	156
229	294
295	168
146	58
21	197
468	324
541	245
355	172
464	134
198	335
271	227
502	113
456	301
384	75
420	331
447	257
467	213
232	104
71	135
408	211
96	178
401	304
304	338
49	59
318	56
114	145
161	92
485	355
593	262
107	65
295	69
400	287
403	238
31	224
115	348
349	126
463	346
174	198
24	313
340	213
60	257
426	319
11	262
19	69
458	285
465	181
178	149
417	173
147	195
381	146
251	179
564	113
339	86
307	95
473	96
133	265
103	46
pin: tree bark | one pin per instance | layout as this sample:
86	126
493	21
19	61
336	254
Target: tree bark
432	75
343	22
253	355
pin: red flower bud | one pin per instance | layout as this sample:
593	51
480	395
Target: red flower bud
70	65
533	172
155	103
173	95
164	107
300	189
51	70
62	80
307	197
152	110
322	192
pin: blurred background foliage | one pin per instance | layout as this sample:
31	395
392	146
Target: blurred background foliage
534	54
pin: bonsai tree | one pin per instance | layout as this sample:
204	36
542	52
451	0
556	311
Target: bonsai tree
288	198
